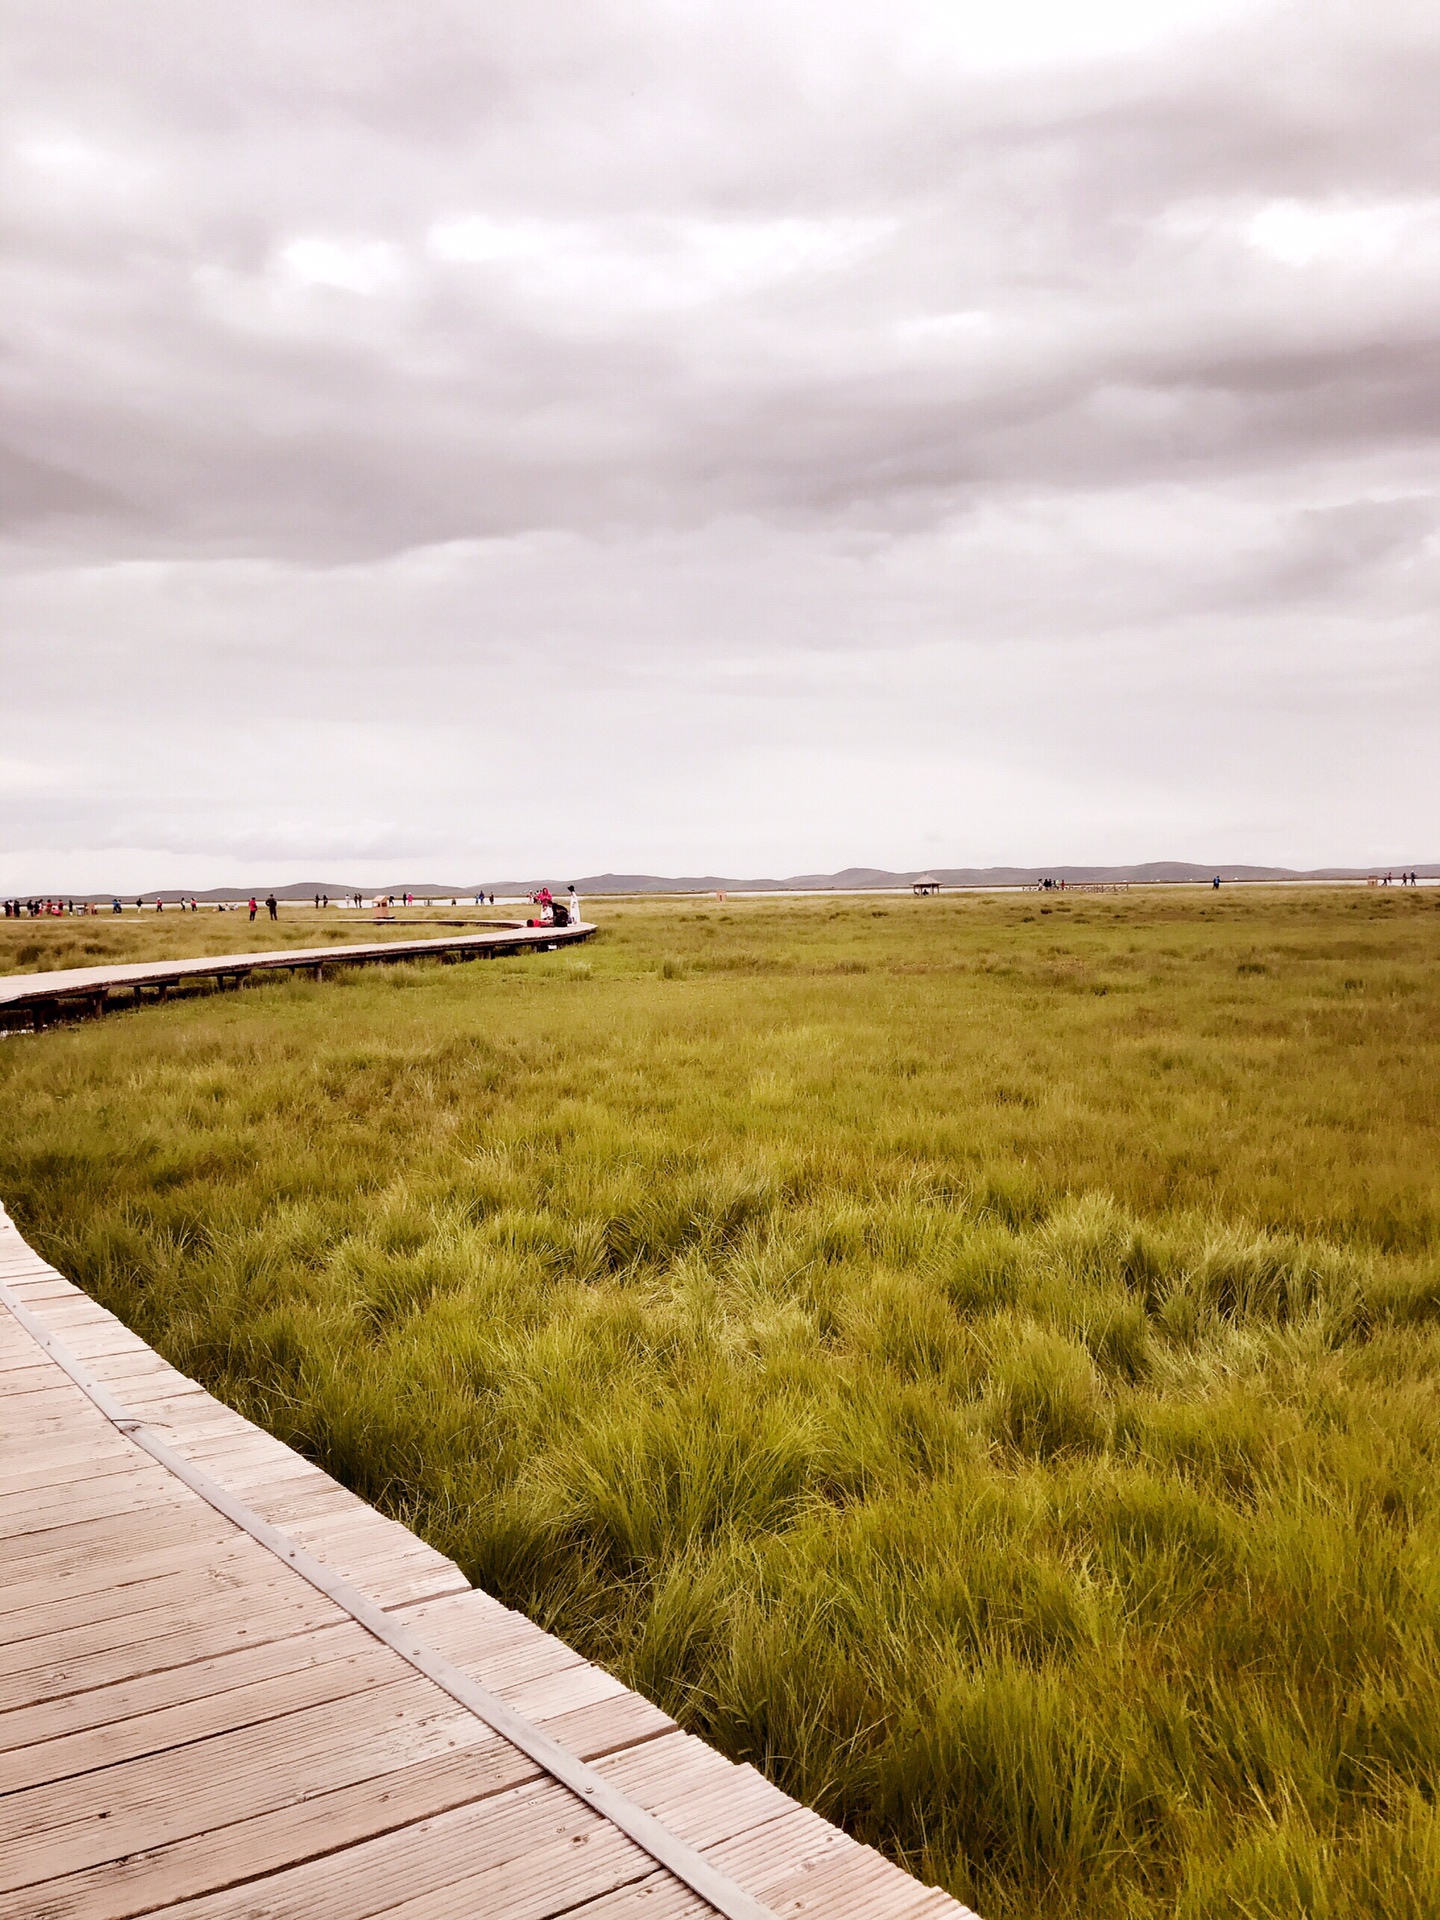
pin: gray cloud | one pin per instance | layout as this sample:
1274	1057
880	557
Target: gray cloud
712	376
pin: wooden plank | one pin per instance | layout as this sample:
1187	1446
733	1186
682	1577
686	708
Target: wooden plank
14	1385
35	1412
15	1343
603	1727
142	1381
66	1308
113	1611
795	1845
360	1530
656	1898
42	1721
394	1586
500	1647
801	1862
19	1373
98	1337
210	1631
367	1539
84	1498
552	1880
53	1460
30	1516
72	1825
355	1668
183	1421
247	1459
28	1418
90	1333
20	1411
564	1690
238	1445
108	1584
17	1352
74	1482
538	1831
34	1281
296	1503
27	1273
37	1281
108	1540
695	1791
238	1855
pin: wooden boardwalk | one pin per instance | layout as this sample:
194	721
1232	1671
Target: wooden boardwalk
37	999
230	1690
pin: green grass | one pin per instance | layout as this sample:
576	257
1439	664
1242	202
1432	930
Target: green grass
973	1358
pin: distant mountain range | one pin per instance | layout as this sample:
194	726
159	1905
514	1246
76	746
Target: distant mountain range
849	879
861	879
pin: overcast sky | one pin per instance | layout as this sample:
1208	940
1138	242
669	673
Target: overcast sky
452	441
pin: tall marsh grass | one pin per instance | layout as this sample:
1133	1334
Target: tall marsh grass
974	1359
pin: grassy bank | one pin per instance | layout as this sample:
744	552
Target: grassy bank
973	1358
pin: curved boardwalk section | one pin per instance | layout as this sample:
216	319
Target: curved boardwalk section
230	1690
36	999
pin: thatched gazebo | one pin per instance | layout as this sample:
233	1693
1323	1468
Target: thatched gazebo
925	883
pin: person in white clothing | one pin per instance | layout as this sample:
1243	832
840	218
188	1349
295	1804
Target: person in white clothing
572	904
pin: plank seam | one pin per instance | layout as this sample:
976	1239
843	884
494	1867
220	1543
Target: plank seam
675	1855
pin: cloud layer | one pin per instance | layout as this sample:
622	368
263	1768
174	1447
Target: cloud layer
668	437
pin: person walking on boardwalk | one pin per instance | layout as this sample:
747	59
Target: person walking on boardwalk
270	906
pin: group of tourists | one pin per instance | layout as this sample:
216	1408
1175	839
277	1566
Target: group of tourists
564	912
413	900
1405	880
42	909
46	909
